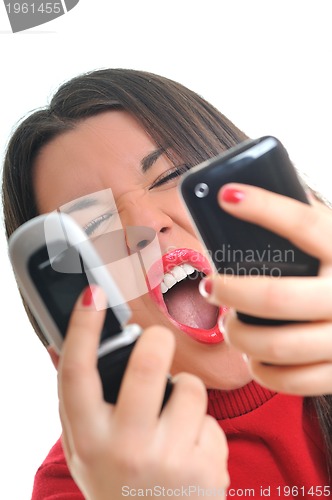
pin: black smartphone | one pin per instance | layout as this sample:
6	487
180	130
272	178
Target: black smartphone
54	261
233	245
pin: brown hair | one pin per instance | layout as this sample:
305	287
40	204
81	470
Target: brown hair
176	118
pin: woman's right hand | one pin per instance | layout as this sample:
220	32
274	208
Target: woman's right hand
111	450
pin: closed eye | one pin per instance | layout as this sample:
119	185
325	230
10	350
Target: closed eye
169	175
93	225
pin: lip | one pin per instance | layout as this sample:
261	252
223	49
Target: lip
201	263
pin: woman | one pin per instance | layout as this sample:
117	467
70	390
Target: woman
135	133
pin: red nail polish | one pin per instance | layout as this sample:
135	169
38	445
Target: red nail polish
87	299
232	195
205	287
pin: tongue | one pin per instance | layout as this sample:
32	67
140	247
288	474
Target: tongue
186	305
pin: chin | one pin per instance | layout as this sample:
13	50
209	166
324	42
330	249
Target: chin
219	366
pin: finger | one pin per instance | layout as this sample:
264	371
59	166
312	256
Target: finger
181	420
80	389
142	388
66	438
304	225
304	380
291	344
287	298
212	452
212	437
319	201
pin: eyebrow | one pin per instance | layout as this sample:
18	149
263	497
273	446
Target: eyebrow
150	159
81	205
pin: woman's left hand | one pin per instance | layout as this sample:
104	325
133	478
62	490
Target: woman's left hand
294	358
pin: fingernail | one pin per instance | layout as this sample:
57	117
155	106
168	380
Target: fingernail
222	329
232	195
205	287
88	296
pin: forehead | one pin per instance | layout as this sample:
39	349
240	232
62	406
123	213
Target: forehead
79	161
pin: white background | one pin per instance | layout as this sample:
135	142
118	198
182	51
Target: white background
265	64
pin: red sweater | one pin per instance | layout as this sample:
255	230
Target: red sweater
274	446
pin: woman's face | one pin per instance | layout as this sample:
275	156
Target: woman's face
110	154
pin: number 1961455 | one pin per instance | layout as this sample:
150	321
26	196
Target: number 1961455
32	8
296	491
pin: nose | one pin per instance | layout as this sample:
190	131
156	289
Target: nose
143	219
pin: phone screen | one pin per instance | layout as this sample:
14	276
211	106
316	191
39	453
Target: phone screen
60	290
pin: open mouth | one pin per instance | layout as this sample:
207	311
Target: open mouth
179	299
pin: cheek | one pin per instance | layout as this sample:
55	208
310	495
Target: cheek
184	227
171	202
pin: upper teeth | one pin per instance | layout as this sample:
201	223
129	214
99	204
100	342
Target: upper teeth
178	273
